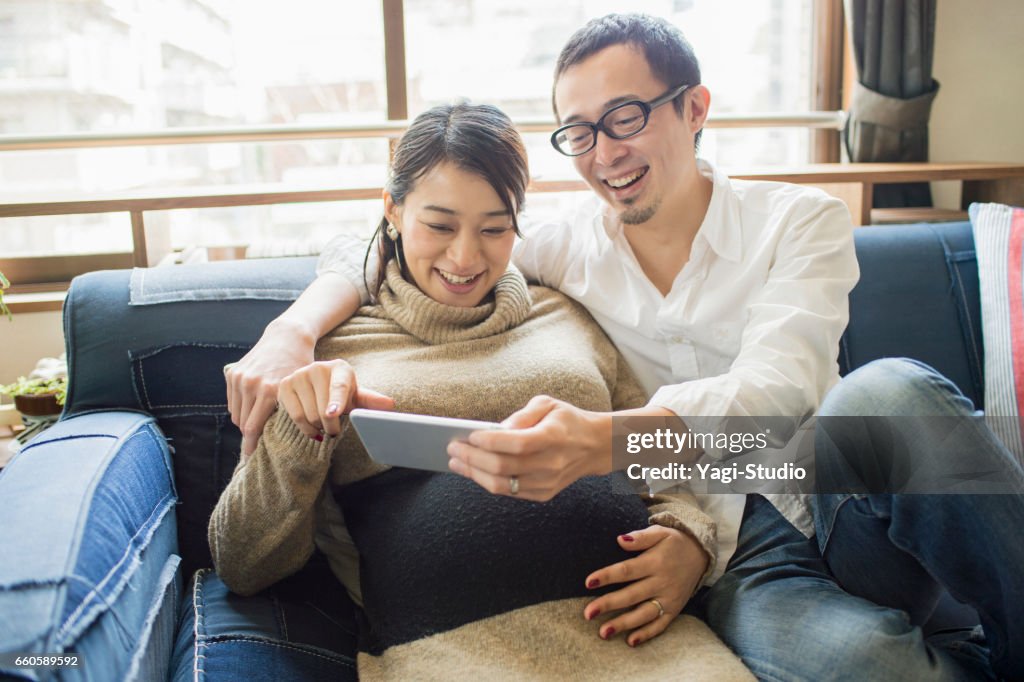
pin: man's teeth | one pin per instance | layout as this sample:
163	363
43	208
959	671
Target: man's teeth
618	183
455	279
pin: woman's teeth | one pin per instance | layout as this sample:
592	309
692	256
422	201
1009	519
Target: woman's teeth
455	279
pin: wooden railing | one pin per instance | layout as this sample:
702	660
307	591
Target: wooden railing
853	183
277	132
40	279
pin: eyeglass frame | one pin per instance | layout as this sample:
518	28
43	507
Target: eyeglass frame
645	107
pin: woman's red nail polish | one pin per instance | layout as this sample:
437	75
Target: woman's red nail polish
594	614
627	538
610	632
593	582
318	438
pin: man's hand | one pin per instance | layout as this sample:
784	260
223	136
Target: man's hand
547	446
286	346
316	396
252	382
668	571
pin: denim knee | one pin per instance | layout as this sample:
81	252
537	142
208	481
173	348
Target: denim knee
808	628
895	386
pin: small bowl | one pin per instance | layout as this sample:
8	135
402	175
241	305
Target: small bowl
37	405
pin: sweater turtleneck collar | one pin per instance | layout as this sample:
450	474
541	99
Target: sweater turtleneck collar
434	322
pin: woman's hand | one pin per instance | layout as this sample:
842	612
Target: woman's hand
286	345
668	570
316	396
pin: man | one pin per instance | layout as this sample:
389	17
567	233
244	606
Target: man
728	300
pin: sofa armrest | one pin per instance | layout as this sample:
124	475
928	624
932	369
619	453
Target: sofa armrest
196	318
89	563
157	340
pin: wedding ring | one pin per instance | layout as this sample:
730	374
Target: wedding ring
661	609
513	485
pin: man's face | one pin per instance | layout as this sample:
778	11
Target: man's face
637	175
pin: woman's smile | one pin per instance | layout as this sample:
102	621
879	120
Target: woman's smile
459	284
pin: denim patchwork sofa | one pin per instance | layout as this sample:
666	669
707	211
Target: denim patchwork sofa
103	517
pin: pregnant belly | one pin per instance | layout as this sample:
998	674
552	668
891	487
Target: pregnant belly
437	551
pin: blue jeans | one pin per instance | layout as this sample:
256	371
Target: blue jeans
300	628
850	603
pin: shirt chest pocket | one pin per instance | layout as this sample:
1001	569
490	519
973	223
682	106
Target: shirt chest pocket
705	354
682	355
720	348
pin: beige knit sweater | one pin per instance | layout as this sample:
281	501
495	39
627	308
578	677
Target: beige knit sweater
479	363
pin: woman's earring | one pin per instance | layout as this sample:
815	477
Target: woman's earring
393	235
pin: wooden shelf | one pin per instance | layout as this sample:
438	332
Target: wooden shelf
892	216
37	302
884	173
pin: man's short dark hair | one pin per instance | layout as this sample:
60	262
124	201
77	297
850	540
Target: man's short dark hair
668	52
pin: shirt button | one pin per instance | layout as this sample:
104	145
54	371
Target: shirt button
677	339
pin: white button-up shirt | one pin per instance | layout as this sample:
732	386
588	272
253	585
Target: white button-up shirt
750	327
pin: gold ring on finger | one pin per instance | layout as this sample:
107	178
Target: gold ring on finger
661	609
513	485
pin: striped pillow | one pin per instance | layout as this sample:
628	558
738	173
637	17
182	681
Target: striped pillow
999	242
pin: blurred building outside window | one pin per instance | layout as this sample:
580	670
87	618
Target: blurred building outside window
101	65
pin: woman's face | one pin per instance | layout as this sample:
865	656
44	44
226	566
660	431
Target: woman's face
457	235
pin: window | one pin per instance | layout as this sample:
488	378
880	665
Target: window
504	53
68	67
73	66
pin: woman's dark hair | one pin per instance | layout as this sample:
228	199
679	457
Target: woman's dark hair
477	138
668	52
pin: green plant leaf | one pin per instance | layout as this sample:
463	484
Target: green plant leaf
24	386
4	283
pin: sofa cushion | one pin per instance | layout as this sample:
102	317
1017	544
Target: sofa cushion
918	298
999	240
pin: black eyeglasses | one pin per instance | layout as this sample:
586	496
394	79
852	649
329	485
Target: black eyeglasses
619	122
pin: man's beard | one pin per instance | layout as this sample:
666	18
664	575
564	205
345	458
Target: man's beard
637	215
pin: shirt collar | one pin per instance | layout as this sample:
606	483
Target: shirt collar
722	223
721	226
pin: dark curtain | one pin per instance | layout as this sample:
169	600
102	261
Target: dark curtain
893	45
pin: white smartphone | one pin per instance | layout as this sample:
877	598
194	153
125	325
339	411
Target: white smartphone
415	441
